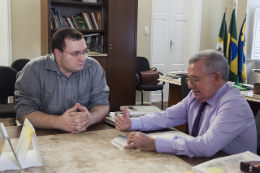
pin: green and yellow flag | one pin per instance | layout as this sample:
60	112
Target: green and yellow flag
242	54
231	53
222	37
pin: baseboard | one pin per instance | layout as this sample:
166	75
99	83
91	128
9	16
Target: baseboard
140	103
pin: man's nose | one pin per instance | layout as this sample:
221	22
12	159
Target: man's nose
191	85
82	57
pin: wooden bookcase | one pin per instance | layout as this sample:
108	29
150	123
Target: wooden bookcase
119	21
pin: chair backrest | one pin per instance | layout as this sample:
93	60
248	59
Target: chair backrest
7	78
184	87
142	64
257	123
19	64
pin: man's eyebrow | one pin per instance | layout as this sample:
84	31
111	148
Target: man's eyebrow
80	51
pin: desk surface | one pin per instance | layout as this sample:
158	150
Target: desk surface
92	151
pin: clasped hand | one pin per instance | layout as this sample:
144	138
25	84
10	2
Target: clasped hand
74	121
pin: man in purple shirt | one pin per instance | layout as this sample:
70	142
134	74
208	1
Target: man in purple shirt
226	123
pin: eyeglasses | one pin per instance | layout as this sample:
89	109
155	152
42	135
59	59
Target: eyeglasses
195	80
77	54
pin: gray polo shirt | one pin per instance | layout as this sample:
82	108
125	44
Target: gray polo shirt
42	87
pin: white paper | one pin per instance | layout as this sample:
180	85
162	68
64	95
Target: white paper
121	142
27	158
230	164
8	162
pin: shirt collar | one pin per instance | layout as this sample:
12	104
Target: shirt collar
52	64
217	95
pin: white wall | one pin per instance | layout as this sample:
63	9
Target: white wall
26	28
143	41
212	13
5	34
251	64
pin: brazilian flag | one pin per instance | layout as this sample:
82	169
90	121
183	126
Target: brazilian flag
242	54
222	37
232	52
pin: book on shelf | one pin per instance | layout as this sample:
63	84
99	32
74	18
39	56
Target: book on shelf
60	20
93	1
75	23
80	21
90	21
65	21
94	42
98	18
70	22
94	21
86	20
54	18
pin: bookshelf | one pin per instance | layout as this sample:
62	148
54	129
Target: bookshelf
119	31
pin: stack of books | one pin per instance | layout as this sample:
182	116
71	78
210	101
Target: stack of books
174	75
88	21
94	43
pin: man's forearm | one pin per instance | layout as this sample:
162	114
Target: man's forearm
98	113
42	120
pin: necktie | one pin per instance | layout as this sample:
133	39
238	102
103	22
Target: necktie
195	128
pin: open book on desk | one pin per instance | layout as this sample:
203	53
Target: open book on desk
132	111
121	142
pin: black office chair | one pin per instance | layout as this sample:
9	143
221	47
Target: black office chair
142	64
19	64
7	78
184	87
257	123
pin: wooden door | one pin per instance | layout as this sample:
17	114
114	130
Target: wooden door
122	36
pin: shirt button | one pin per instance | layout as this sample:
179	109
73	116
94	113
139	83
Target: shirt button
68	94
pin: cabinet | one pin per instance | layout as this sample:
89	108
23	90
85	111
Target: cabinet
119	21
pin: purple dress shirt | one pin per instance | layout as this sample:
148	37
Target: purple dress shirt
227	123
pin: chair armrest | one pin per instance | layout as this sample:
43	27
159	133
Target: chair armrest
160	73
137	79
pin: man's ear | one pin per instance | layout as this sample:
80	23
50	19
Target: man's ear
218	76
57	53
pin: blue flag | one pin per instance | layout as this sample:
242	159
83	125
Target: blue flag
242	54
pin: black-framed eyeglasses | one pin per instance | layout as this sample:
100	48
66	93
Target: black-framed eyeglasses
77	54
195	80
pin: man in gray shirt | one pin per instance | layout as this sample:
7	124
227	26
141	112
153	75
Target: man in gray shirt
64	90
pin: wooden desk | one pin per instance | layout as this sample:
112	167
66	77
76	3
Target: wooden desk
92	151
14	131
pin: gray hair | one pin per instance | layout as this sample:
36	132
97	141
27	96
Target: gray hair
214	61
